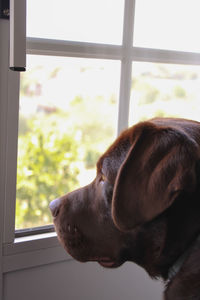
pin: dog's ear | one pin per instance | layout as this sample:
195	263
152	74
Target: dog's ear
159	166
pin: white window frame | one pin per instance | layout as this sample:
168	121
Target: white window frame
44	248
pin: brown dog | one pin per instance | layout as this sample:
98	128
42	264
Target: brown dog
143	206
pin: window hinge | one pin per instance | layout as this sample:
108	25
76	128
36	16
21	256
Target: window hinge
4	9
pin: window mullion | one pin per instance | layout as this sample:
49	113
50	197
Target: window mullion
126	66
165	56
73	49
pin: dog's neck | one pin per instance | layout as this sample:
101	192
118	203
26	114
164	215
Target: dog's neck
181	260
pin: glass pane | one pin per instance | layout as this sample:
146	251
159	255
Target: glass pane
77	20
68	116
164	90
172	24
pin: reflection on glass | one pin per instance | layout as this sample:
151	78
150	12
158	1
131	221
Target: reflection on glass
76	20
172	24
68	116
164	90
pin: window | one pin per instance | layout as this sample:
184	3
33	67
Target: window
93	69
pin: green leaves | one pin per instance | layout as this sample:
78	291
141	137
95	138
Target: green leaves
47	168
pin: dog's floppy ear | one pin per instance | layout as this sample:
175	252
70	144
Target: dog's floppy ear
159	166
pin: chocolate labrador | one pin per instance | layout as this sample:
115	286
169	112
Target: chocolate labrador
143	206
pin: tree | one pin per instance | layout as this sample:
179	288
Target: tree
46	170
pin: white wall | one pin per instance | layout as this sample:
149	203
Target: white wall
77	281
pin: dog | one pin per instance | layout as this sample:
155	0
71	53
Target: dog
143	206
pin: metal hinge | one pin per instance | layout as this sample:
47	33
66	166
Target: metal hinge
4	9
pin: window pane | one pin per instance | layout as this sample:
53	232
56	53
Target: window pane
172	24
164	90
77	20
68	116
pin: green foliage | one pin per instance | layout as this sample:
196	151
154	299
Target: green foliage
179	92
52	150
46	170
91	158
148	93
150	96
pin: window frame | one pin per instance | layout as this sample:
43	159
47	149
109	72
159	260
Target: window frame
44	248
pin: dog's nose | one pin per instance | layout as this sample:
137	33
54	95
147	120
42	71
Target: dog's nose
55	207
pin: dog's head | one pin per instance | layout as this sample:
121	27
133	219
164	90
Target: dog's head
124	213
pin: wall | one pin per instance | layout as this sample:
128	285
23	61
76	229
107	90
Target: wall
77	281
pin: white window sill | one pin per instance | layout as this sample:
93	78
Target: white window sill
35	237
32	251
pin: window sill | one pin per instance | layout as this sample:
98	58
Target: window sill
32	251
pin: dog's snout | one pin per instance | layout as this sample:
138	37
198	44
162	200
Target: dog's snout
55	207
